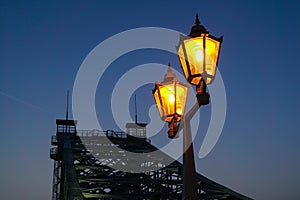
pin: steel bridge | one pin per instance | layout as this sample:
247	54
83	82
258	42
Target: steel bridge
86	167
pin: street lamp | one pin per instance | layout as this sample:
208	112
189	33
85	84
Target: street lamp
170	96
198	54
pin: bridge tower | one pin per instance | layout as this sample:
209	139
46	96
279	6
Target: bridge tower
65	183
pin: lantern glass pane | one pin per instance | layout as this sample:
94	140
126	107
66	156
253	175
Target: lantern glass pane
183	61
181	96
195	54
158	102
167	94
212	53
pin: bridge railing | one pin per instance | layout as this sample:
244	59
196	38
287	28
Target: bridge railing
54	153
54	140
96	132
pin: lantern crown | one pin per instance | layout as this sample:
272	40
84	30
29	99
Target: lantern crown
198	29
170	76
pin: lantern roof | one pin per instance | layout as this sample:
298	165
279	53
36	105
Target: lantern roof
198	29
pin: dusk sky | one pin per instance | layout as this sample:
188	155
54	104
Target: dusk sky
43	44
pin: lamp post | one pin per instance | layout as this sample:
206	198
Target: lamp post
198	54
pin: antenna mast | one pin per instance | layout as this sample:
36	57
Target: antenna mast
67	109
135	108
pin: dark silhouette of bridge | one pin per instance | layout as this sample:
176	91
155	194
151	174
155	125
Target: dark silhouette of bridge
86	167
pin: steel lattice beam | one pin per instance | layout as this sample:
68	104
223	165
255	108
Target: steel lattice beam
96	177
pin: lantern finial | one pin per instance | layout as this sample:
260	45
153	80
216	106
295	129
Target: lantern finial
169	68
197	21
197	30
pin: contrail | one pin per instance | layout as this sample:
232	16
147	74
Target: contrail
25	103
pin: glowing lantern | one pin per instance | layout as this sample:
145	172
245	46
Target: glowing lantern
199	54
170	96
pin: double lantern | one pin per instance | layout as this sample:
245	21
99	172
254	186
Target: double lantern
198	54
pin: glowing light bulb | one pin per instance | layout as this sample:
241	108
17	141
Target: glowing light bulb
171	98
199	56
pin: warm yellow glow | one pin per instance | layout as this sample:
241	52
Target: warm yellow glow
179	111
168	98
171	98
195	54
181	96
212	52
201	55
195	58
183	61
158	103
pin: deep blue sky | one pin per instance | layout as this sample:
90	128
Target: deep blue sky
43	43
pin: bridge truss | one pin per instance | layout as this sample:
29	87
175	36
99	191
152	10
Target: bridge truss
87	166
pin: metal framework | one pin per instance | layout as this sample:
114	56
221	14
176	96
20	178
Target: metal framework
85	167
